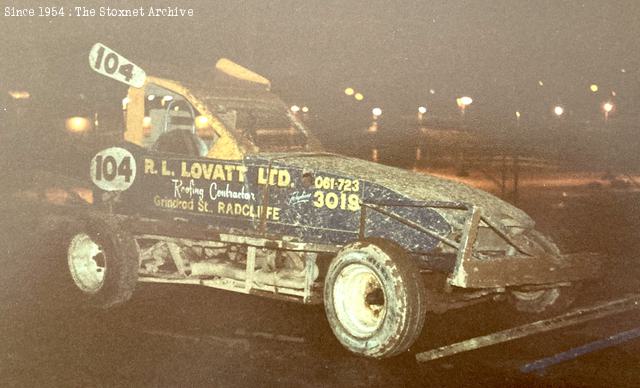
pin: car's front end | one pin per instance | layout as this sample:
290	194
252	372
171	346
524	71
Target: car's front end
485	241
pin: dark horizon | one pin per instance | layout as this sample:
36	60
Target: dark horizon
395	54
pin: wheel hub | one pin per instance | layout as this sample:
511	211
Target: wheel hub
87	263
359	300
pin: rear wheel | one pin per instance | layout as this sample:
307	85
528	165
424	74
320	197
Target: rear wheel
102	262
87	263
374	299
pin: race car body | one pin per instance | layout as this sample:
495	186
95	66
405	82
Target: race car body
224	187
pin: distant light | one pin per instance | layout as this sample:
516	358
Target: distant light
125	102
623	70
305	109
151	97
540	83
558	110
464	101
607	106
517	114
593	87
202	122
431	91
167	98
176	108
295	108
422	109
373	127
349	91
376	111
78	124
359	96
613	93
19	94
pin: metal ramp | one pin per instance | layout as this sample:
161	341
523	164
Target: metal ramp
573	317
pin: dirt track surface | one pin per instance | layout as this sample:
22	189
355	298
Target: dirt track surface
190	336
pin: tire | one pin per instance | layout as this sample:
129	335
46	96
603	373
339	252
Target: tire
544	242
374	299
547	300
543	300
102	263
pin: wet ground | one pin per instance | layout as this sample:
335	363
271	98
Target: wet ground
191	336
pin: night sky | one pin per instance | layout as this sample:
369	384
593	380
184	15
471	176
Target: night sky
394	52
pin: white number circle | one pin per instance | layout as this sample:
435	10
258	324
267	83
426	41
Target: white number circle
113	169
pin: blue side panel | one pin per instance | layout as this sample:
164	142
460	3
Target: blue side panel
271	198
203	191
326	209
305	211
380	225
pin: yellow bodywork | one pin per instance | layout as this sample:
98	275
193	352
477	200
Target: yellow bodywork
230	145
234	70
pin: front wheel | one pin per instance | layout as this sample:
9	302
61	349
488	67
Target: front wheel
374	299
550	300
546	300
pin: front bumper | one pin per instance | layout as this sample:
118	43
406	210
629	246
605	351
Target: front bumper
528	266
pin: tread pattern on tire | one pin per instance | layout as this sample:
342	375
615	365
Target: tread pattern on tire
122	254
540	305
402	268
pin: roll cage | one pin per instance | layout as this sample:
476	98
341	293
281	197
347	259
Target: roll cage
232	120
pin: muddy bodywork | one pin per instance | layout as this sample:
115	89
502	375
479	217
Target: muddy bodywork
202	182
313	198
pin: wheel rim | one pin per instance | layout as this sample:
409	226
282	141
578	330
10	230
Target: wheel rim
359	300
87	263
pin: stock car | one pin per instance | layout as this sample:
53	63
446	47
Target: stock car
220	185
